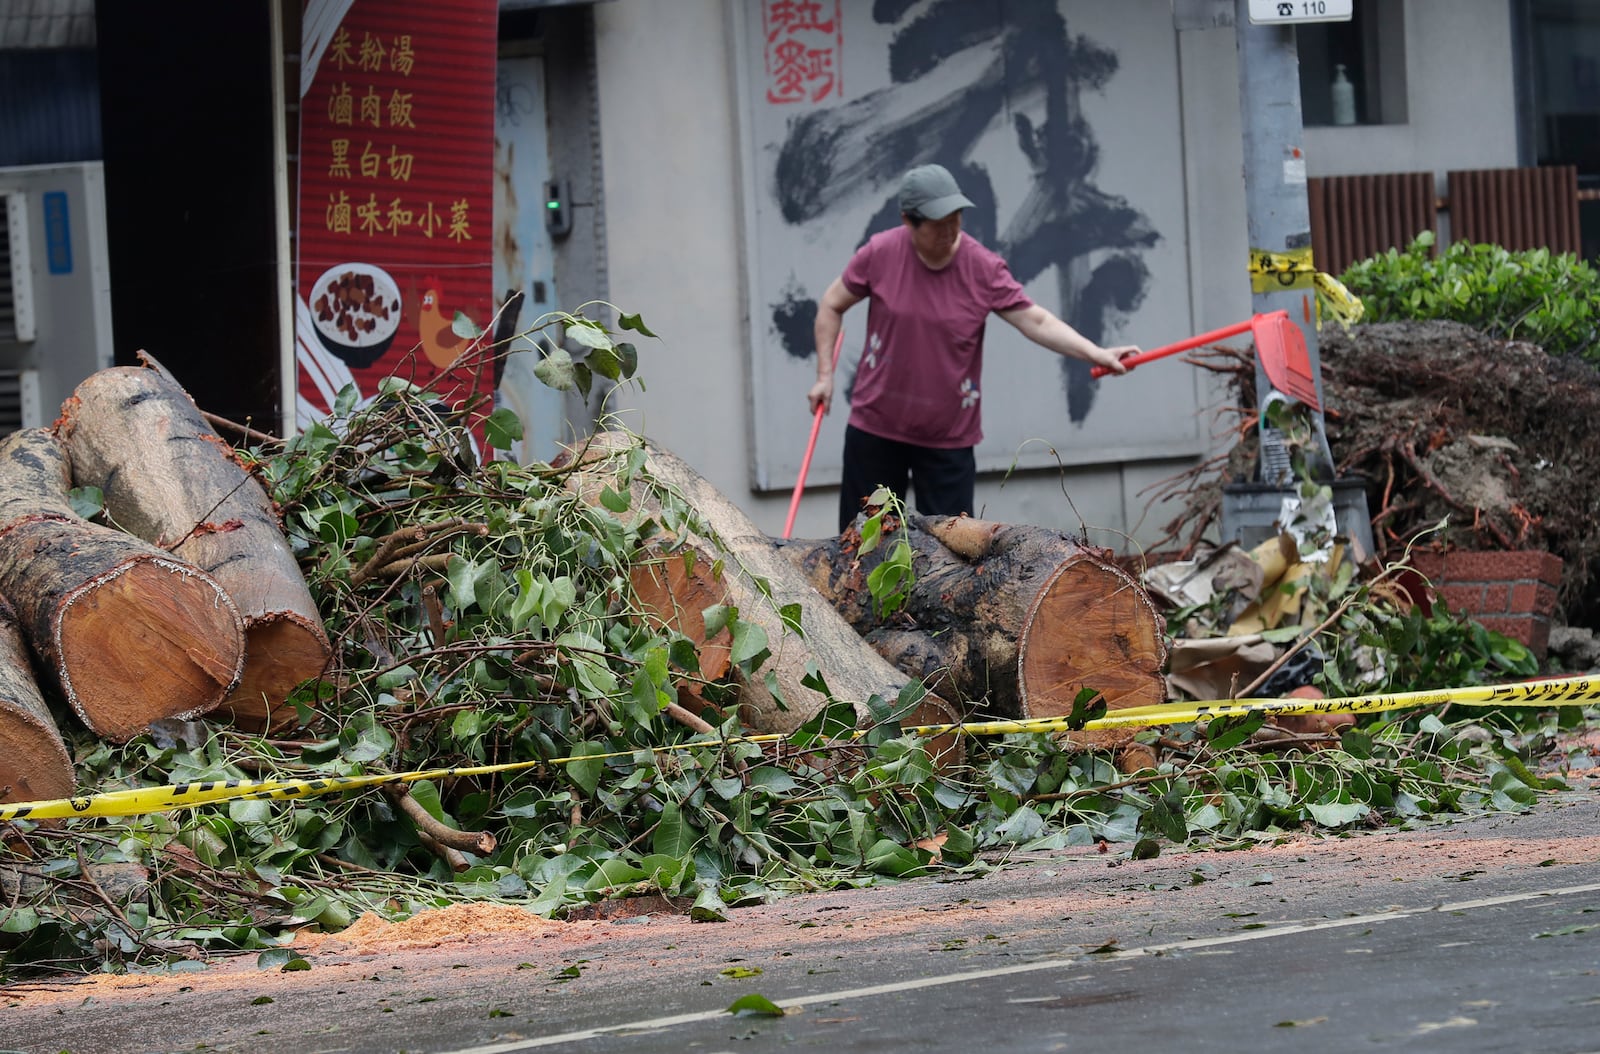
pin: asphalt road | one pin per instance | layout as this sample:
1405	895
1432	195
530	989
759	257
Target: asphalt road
1482	934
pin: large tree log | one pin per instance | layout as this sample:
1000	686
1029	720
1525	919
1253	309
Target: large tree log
757	580
34	765
178	487
129	633
1014	618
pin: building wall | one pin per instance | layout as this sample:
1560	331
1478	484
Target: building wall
686	240
1460	106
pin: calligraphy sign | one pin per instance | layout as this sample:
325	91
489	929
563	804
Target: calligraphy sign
395	197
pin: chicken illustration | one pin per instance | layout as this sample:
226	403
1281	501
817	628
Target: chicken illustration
440	343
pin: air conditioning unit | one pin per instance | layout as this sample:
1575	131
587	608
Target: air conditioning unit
55	288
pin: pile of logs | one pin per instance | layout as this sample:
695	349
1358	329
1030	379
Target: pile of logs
191	604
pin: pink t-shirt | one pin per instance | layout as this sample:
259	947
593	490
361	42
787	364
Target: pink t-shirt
919	379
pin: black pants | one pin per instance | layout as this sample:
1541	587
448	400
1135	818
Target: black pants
945	480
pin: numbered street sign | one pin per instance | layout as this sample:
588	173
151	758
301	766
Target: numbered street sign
1265	12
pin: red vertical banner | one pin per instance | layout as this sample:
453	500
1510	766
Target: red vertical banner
396	222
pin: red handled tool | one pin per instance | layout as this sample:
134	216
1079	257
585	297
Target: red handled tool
1280	347
811	446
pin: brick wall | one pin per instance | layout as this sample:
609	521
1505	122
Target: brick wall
1511	593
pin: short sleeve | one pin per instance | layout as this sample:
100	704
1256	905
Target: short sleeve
1005	292
857	275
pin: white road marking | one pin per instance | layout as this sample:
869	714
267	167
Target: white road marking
658	1023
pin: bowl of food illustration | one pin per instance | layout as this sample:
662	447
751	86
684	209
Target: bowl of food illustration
356	309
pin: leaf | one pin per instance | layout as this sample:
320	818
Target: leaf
888	857
614	501
1225	733
585	769
462	326
1146	849
636	324
589	334
1088	705
673	836
790	616
18	920
749	645
1337	814
754	1005
86	501
502	428
739	973
556	370
708	907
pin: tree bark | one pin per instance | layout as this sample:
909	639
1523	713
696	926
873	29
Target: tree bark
757	580
1012	618
34	765
129	633
178	487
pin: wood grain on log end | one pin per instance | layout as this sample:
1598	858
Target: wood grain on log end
34	765
151	639
1091	627
279	652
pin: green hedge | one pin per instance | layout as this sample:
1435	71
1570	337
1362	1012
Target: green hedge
1550	299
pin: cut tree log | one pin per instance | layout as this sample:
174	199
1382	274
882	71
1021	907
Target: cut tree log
1013	618
178	487
34	764
130	634
734	563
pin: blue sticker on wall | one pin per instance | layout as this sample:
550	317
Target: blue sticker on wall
57	232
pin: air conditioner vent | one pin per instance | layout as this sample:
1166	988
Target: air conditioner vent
16	274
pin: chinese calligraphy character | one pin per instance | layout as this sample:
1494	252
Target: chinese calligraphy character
400	165
341	105
401	57
338	214
795	66
372	52
339	162
428	222
400	110
791	16
372	108
801	51
370	159
398	217
459	226
371	216
339	51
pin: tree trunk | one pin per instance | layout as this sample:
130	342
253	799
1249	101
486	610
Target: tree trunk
1016	619
129	633
757	580
178	487
34	765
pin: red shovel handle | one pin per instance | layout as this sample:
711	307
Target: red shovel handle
811	447
1183	345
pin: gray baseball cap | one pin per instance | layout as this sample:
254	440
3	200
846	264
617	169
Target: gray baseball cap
931	191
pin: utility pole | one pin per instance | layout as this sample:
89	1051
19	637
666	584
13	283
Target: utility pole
1279	222
1276	206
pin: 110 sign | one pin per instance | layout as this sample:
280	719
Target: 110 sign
1287	11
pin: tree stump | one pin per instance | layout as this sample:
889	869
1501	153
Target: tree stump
1013	618
130	634
178	487
34	765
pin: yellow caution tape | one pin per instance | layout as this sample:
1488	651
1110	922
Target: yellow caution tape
1572	691
1341	305
1274	272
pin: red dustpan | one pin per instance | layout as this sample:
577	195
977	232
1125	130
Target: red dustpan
1280	347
